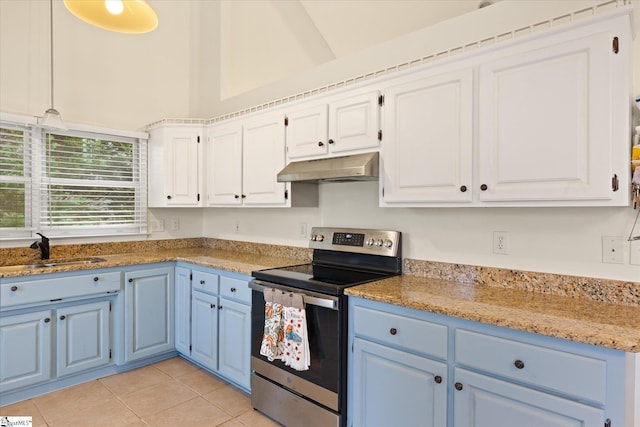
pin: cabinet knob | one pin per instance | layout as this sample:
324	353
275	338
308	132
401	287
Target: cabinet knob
463	188
483	187
213	306
519	364
331	141
130	280
63	317
169	197
236	196
233	289
320	144
14	288
95	279
437	379
219	307
202	282
458	386
393	331
244	196
47	320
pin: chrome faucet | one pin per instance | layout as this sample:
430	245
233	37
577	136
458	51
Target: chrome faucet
43	245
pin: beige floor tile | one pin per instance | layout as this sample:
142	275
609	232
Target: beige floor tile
25	408
176	367
201	381
256	419
137	379
233	423
105	413
195	412
230	400
73	399
156	398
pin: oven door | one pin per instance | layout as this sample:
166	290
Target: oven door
326	375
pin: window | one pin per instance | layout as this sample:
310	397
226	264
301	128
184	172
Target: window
85	183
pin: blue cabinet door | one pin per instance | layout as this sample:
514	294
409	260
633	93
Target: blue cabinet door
204	329
235	342
396	388
183	310
149	315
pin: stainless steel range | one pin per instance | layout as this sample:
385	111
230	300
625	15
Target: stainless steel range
341	258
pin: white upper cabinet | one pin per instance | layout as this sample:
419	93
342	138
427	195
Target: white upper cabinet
428	136
175	166
344	125
546	122
224	165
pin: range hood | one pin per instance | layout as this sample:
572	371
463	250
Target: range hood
357	167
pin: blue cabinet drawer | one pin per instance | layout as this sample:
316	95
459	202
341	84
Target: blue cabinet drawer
205	282
400	331
235	289
567	373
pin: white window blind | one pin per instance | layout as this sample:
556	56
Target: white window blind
92	184
17	194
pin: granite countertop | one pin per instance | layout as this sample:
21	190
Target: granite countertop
236	262
603	324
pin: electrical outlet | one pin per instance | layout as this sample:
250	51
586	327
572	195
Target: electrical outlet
175	224
634	249
302	229
500	243
612	250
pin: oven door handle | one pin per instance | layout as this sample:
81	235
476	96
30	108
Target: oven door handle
325	302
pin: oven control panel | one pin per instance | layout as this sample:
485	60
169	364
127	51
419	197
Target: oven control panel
378	242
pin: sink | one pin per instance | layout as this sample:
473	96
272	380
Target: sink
52	263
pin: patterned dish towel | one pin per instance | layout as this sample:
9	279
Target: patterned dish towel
273	333
296	343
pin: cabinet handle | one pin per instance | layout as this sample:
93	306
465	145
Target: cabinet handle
458	386
213	306
202	282
519	364
320	144
483	187
95	279
14	288
47	320
169	197
331	141
130	280
63	317
393	331
244	196
233	289
463	189
236	196
437	379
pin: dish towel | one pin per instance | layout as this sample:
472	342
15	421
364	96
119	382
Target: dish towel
273	334
296	342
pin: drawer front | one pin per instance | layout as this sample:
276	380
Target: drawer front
400	331
43	290
563	372
235	289
205	282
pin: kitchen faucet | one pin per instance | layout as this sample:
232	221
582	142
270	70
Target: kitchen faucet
43	245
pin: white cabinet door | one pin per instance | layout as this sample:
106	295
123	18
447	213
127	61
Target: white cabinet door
354	123
175	166
263	157
396	388
83	338
482	401
428	139
224	165
306	132
204	329
25	349
183	310
546	123
235	342
149	315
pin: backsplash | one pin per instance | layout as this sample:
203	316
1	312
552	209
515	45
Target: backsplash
602	290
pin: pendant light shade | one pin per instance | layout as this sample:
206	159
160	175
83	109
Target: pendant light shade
52	118
124	16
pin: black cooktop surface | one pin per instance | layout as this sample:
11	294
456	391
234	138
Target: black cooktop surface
328	280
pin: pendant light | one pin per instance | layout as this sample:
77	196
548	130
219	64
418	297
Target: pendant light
52	118
123	16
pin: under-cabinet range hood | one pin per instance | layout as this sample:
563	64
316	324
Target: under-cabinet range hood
357	167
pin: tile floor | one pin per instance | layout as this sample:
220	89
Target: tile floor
169	393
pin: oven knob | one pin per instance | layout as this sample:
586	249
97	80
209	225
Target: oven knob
369	242
388	243
319	238
379	242
312	238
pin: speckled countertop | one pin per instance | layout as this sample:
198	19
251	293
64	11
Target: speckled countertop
583	320
593	311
